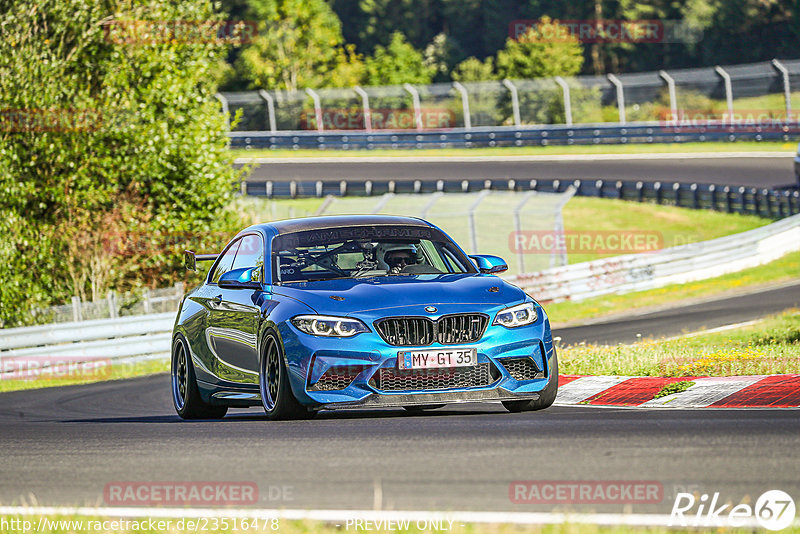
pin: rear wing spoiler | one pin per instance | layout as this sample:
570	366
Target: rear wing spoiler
190	259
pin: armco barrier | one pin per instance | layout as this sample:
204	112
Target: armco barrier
137	337
584	134
772	203
636	272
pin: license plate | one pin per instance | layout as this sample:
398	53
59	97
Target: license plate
431	359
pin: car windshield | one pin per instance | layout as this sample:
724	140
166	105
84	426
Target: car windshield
364	251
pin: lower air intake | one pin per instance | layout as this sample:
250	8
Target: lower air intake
390	379
336	378
522	368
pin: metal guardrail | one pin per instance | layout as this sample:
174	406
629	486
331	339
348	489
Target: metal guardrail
637	272
695	94
29	351
772	203
504	136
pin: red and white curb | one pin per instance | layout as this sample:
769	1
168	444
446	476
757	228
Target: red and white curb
763	391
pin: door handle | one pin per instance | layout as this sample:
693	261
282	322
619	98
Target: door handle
217	299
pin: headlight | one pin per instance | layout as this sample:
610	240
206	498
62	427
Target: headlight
519	315
321	325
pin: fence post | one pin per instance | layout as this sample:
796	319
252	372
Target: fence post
317	107
567	100
676	187
518	229
76	309
415	99
180	289
464	104
111	298
712	189
742	204
225	109
559	257
147	302
728	200
616	82
728	90
673	101
473	231
270	110
659	195
365	105
514	101
787	91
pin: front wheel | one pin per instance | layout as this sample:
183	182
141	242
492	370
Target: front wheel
546	397
185	393
276	393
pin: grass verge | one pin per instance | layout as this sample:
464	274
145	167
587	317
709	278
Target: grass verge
771	346
783	269
45	379
634	148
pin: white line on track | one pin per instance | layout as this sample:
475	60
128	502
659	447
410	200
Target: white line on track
523	158
342	516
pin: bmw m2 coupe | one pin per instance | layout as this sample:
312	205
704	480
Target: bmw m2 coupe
361	311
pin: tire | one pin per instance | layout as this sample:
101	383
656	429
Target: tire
546	397
422	408
276	393
185	393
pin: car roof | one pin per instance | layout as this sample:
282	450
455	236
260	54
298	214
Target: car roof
289	226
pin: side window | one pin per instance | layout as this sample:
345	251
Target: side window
225	262
250	254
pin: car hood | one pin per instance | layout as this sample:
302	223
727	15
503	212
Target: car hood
346	296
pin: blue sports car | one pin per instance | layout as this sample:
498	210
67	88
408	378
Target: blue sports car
356	312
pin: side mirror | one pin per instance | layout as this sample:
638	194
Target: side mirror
489	264
246	278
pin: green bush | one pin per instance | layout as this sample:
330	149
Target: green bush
106	135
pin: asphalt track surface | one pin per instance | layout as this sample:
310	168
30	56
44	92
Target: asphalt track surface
64	445
748	171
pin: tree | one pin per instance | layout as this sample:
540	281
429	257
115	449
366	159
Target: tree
299	44
474	70
109	131
397	63
546	50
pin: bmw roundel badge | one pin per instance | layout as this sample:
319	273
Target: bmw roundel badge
431	309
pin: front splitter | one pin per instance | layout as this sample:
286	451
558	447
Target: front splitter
378	400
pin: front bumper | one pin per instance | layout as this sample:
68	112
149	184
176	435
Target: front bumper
363	356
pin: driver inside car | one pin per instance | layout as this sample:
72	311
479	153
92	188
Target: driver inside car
398	257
